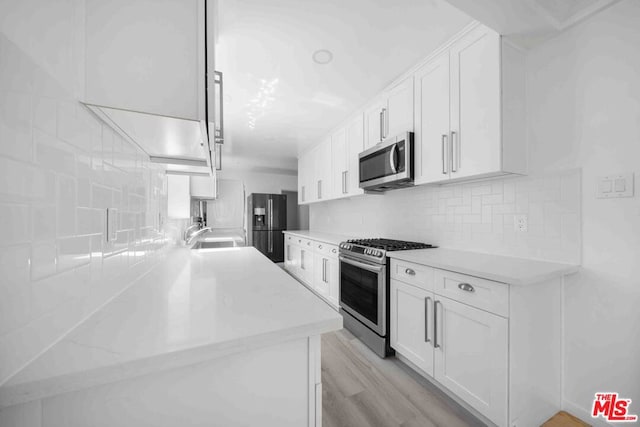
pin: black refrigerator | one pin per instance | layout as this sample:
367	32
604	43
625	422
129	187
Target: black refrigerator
267	219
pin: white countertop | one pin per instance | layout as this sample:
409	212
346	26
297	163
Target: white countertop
194	306
510	270
333	239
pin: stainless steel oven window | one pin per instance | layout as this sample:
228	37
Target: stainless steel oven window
362	292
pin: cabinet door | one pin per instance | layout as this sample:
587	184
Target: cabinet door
338	163
306	166
322	171
412	324
141	53
306	266
203	187
475	104
374	123
399	113
432	121
320	275
333	276
301	180
355	145
471	356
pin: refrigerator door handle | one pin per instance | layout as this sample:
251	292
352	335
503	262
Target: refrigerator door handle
270	213
270	240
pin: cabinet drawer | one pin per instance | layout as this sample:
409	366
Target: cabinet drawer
326	249
414	274
481	293
302	242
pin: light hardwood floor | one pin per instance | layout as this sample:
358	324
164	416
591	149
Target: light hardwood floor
362	390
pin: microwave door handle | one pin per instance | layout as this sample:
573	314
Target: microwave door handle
392	158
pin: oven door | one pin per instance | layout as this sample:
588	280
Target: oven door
362	292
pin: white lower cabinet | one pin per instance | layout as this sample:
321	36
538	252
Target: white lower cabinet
484	342
315	265
471	356
412	324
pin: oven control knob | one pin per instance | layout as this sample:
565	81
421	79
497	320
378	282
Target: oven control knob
377	253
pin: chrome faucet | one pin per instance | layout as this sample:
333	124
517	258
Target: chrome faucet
189	234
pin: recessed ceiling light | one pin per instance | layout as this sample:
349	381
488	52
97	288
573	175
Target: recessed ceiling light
322	56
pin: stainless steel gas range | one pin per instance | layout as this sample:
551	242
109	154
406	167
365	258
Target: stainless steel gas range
364	289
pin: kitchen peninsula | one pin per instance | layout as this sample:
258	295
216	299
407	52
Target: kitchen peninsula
206	337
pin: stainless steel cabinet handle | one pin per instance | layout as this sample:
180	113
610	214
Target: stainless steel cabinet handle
426	319
219	130
302	259
319	189
444	150
303	193
333	251
455	152
319	246
381	125
324	270
346	182
385	123
288	252
466	287
436	344
410	272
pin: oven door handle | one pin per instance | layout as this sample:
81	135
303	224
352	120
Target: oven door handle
364	266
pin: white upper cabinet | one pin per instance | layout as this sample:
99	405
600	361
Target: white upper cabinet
339	166
432	120
144	72
374	123
399	113
144	55
354	146
203	187
465	105
470	119
322	171
390	114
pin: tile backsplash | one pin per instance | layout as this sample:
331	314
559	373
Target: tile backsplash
60	169
478	216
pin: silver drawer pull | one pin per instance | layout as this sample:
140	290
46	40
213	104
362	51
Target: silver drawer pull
466	287
333	251
410	272
319	246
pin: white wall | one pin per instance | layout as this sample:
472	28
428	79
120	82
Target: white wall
60	168
476	216
584	110
584	114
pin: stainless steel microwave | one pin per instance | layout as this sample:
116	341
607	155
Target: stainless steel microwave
387	165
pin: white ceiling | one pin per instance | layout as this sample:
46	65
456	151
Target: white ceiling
530	22
277	100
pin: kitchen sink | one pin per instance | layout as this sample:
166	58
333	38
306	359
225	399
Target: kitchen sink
214	244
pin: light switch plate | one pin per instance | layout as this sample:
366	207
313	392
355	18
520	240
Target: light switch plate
112	225
615	186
